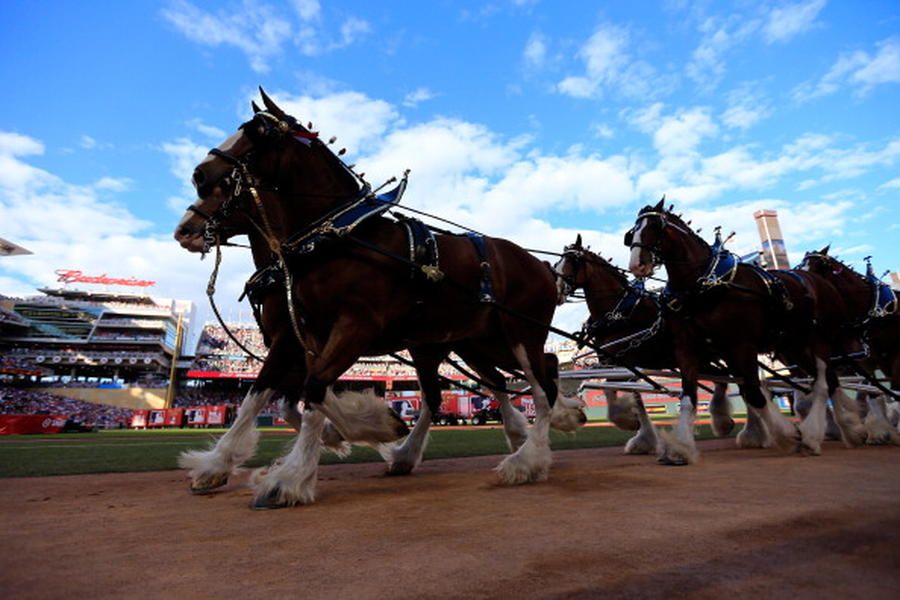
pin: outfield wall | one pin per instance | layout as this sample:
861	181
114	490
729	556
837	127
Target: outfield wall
134	397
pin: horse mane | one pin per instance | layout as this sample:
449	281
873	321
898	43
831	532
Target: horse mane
617	272
674	218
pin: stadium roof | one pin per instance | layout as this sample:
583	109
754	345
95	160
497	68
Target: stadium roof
8	248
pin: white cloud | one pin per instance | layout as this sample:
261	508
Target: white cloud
707	65
746	108
535	53
94	234
604	131
307	10
253	28
786	22
213	133
261	31
893	184
856	69
87	142
609	66
417	96
113	184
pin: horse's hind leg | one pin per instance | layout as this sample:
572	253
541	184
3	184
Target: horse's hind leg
531	462
407	456
568	412
645	440
846	412
720	411
209	469
515	425
879	428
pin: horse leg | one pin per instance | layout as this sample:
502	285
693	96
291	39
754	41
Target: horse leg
515	424
754	433
568	413
291	479
407	456
677	447
720	411
622	409
846	413
531	462
812	428
209	469
645	440
879	428
782	431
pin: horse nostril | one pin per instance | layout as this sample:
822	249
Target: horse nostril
199	177
184	230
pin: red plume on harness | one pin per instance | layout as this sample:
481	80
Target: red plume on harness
305	137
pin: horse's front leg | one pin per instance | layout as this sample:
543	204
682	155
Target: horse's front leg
407	456
209	469
680	448
291	479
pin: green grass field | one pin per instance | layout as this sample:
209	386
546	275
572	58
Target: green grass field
125	450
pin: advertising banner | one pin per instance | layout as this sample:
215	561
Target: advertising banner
139	419
28	424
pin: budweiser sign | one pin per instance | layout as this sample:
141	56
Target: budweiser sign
72	276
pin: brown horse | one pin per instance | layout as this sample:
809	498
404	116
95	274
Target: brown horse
355	295
871	321
627	322
734	311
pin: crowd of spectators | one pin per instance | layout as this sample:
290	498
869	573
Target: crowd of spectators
24	401
207	397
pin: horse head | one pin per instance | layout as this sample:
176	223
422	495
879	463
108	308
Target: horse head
270	155
569	270
660	235
646	239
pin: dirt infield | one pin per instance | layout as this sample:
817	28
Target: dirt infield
739	524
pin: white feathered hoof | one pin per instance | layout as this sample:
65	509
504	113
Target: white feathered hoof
809	448
269	501
208	483
853	431
208	473
529	464
333	442
753	437
674	451
642	443
879	432
275	489
400	468
567	414
722	425
624	415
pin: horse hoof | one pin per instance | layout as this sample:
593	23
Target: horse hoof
208	484
268	502
807	450
399	469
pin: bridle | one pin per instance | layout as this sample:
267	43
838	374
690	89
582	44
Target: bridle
655	249
576	256
244	183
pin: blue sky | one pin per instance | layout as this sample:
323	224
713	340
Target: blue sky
529	119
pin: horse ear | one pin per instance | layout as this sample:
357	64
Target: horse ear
254	106
578	241
269	104
825	250
660	204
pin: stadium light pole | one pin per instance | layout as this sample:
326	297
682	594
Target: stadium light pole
170	392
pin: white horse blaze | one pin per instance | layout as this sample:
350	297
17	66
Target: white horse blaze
635	260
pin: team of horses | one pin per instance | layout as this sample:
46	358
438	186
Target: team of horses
338	279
